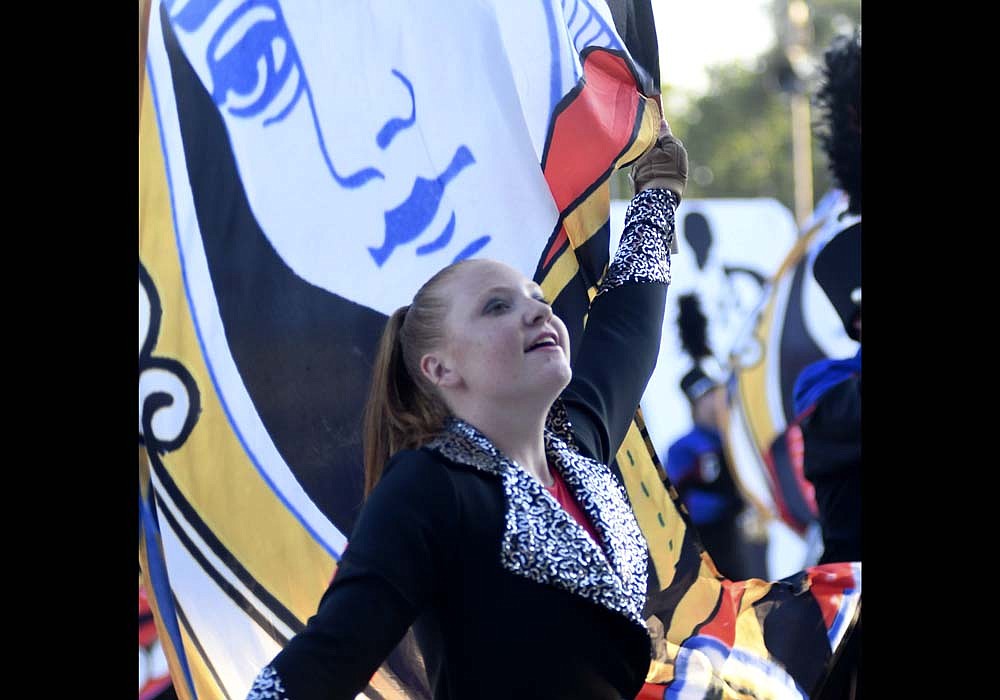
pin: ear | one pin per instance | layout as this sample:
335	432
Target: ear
437	369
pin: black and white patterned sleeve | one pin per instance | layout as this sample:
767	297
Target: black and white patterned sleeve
267	686
643	254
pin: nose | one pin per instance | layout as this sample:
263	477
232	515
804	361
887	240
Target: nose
537	312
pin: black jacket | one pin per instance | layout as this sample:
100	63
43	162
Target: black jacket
831	435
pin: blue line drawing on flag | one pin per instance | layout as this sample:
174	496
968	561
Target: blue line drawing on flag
590	24
577	15
471	249
255	69
257	30
392	127
441	241
407	221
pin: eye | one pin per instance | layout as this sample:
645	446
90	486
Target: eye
539	297
496	306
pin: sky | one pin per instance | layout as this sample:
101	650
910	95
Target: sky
694	34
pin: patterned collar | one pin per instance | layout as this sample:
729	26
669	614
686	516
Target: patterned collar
543	542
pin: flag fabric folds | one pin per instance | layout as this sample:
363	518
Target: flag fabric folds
303	168
793	326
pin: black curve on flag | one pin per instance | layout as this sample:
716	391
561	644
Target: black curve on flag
795	635
160	399
798	348
303	353
180	509
164	516
663	603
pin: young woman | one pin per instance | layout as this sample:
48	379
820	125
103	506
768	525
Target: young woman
493	524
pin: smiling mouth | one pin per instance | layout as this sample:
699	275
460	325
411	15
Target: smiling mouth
547	342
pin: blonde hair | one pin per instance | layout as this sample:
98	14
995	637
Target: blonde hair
404	410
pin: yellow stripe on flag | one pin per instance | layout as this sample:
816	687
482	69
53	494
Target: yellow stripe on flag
560	274
752	380
212	469
654	510
649	129
749	631
588	218
696	604
752	385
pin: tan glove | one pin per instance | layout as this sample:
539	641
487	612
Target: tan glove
664	165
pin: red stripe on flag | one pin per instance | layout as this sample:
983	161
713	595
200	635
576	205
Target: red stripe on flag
779	497
556	246
722	625
797	451
590	132
154	687
827	584
593	129
652	691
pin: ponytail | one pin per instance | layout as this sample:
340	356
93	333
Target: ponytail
388	381
403	412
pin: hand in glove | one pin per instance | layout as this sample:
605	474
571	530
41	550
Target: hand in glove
664	165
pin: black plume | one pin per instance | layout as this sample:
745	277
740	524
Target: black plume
693	327
839	103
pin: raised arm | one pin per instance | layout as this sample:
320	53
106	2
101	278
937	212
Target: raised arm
621	340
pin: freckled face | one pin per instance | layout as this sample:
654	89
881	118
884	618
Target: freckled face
501	335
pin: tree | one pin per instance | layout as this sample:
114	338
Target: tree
739	133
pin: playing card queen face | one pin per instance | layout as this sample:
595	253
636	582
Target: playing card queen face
370	159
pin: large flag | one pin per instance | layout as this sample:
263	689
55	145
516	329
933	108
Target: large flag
792	326
729	249
303	168
755	638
